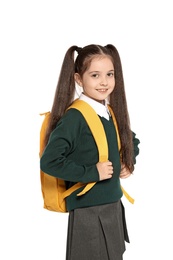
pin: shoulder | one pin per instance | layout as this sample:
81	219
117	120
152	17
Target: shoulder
72	120
73	115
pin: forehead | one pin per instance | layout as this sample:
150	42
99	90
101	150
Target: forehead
101	63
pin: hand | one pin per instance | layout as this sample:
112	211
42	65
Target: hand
105	170
125	173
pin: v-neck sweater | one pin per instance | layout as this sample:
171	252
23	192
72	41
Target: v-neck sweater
71	154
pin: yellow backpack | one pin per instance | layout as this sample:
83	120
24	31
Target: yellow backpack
54	189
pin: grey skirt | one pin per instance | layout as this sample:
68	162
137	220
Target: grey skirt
97	233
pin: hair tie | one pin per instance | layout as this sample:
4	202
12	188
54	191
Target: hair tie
78	49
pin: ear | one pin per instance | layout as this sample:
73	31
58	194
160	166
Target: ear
78	79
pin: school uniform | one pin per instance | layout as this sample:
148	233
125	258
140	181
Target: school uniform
97	227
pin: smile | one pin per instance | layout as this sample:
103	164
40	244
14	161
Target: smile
102	90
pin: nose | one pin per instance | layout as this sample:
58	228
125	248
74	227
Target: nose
103	82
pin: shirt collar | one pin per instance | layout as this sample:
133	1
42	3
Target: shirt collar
100	109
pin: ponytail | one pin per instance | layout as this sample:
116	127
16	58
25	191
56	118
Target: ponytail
64	91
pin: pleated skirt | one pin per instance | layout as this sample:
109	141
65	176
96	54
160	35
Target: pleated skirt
97	233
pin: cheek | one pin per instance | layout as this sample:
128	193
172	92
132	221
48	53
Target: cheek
89	83
112	82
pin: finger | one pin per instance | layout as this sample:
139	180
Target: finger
109	163
123	176
111	170
123	166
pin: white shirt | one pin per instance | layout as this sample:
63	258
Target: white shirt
100	109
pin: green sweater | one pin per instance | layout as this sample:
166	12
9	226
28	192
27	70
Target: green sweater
71	154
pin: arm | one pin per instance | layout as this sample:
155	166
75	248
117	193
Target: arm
125	173
136	142
57	159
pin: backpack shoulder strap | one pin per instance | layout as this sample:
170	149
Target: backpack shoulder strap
116	126
43	130
95	126
98	133
130	199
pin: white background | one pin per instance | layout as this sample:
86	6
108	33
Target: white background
34	36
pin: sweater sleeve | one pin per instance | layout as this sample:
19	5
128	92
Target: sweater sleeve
55	159
136	142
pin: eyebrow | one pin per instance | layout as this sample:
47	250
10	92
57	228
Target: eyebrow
97	71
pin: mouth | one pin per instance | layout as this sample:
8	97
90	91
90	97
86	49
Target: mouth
102	90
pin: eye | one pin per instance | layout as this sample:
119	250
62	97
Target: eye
95	75
110	74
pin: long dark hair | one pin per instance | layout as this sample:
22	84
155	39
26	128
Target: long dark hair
65	90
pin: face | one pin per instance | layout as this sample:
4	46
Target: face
98	80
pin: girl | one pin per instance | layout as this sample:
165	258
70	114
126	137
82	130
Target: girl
96	227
